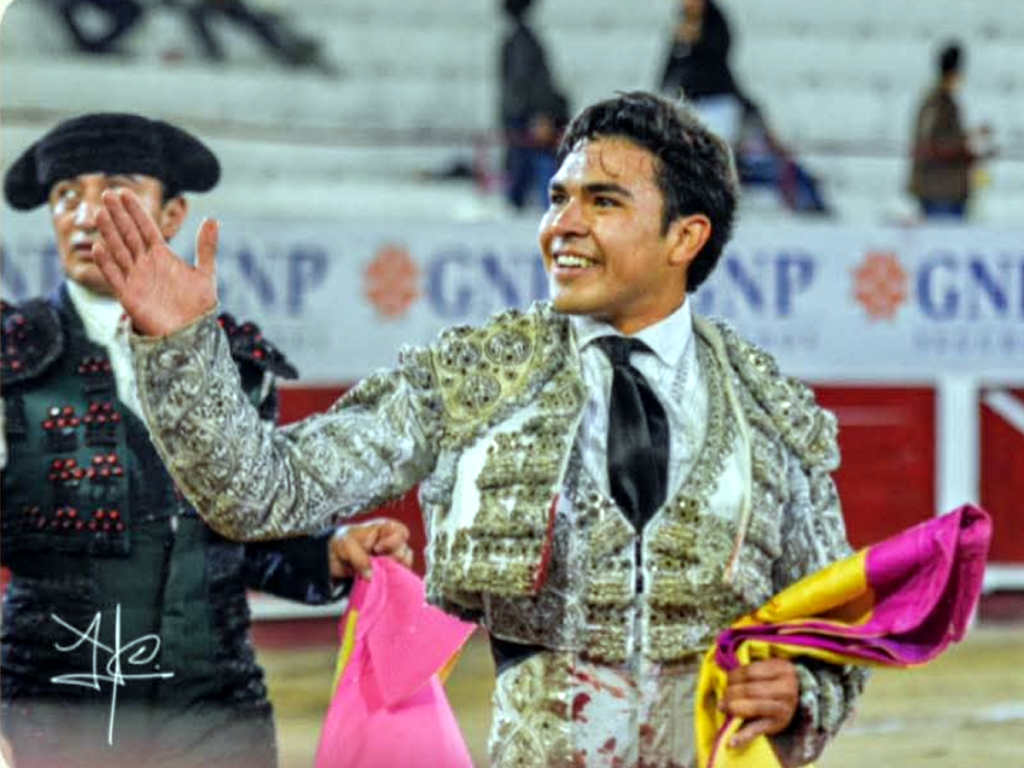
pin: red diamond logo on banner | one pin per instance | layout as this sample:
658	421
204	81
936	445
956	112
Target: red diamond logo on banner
391	281
880	285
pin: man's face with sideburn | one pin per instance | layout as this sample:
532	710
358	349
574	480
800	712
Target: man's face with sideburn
602	241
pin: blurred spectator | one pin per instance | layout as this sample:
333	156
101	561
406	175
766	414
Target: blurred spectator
943	150
97	25
273	29
698	68
533	110
762	160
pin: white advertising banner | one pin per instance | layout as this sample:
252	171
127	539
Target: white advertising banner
866	304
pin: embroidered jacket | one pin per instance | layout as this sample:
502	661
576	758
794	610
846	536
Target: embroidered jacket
92	520
486	418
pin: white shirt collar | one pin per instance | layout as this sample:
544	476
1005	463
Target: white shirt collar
101	315
667	338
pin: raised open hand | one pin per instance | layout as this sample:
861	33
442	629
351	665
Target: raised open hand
159	291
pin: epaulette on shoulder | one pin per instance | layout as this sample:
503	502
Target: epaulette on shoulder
465	347
806	428
463	350
249	345
32	339
480	368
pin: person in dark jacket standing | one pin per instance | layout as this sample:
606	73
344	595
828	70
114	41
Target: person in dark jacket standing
125	623
944	152
698	67
533	110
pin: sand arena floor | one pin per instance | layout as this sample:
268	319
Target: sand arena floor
964	710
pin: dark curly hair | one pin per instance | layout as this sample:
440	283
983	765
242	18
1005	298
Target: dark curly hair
694	169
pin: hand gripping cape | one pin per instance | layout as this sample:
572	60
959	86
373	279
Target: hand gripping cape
895	604
389	707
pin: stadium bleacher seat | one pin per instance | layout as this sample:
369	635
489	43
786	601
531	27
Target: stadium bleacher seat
418	88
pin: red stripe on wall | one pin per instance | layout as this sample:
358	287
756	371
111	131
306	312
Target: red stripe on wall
887	438
1002	483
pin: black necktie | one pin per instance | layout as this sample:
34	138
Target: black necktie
637	435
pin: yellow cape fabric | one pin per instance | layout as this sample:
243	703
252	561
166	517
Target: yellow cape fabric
838	593
348	641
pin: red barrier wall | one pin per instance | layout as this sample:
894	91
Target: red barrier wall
887	478
1002	483
887	438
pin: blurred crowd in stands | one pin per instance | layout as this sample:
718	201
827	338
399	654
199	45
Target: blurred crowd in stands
534	107
100	26
943	156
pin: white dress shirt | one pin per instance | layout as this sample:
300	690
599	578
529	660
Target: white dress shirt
672	370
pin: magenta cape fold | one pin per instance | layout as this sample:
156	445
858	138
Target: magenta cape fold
921	587
390	708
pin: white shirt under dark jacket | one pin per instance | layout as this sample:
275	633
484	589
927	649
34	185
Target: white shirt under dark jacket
107	325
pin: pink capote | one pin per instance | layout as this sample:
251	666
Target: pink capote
389	707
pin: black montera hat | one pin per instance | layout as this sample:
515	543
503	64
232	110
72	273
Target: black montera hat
110	143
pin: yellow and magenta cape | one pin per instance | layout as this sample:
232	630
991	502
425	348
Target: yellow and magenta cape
896	604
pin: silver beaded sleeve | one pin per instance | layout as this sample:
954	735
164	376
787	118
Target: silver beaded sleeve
813	537
253	481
